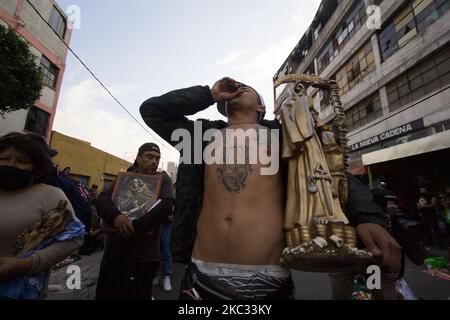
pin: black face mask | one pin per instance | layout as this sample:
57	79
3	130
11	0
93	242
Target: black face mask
13	179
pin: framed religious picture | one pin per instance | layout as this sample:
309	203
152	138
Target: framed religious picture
135	194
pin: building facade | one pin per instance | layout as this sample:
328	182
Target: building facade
50	54
394	82
87	164
172	170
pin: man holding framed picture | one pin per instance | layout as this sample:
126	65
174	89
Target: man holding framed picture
131	256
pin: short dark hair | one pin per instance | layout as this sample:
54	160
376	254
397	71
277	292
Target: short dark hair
150	146
51	152
221	106
29	146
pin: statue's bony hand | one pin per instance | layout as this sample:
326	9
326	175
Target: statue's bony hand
382	246
225	89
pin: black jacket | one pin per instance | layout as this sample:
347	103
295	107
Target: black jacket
168	112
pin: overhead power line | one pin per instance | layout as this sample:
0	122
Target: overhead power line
96	78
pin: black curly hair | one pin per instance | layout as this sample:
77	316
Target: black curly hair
28	145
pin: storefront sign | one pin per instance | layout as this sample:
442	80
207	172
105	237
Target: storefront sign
401	133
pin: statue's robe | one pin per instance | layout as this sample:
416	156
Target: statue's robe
308	170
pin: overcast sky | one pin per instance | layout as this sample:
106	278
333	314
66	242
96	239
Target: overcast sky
144	48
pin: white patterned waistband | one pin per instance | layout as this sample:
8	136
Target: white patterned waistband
228	270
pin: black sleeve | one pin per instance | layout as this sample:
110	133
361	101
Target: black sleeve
168	112
106	209
154	218
166	188
361	207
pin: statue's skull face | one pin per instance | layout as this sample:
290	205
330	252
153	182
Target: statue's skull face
300	88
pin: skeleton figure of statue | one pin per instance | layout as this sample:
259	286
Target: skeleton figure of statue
318	235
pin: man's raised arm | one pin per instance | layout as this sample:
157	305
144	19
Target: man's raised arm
168	112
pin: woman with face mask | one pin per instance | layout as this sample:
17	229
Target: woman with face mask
30	242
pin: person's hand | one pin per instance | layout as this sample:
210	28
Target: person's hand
220	92
13	268
150	233
124	225
382	245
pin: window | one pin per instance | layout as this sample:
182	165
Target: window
49	72
310	69
425	12
424	78
362	63
363	112
317	31
415	17
350	25
37	121
58	22
443	126
324	99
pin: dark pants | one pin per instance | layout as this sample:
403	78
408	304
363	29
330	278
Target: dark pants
166	254
125	282
427	223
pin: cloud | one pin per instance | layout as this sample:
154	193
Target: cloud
85	113
258	71
88	113
263	62
299	16
231	57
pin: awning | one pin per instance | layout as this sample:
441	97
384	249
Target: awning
435	142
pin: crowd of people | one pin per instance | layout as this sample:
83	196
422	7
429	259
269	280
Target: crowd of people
48	219
426	224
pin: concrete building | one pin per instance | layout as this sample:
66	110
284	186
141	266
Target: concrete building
50	54
87	164
394	84
172	169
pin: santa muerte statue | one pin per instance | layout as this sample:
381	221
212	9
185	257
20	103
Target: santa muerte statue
318	235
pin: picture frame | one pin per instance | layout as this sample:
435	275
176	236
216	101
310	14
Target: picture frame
135	194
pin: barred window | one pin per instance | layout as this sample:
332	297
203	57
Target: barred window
58	22
49	72
425	77
37	121
415	17
362	63
349	26
364	112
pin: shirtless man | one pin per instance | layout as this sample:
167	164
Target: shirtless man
228	218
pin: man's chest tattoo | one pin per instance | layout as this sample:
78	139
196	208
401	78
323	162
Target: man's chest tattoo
233	176
238	159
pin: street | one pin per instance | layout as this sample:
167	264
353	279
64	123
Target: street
309	286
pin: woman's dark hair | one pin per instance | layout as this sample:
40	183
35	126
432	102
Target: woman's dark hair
28	145
133	167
